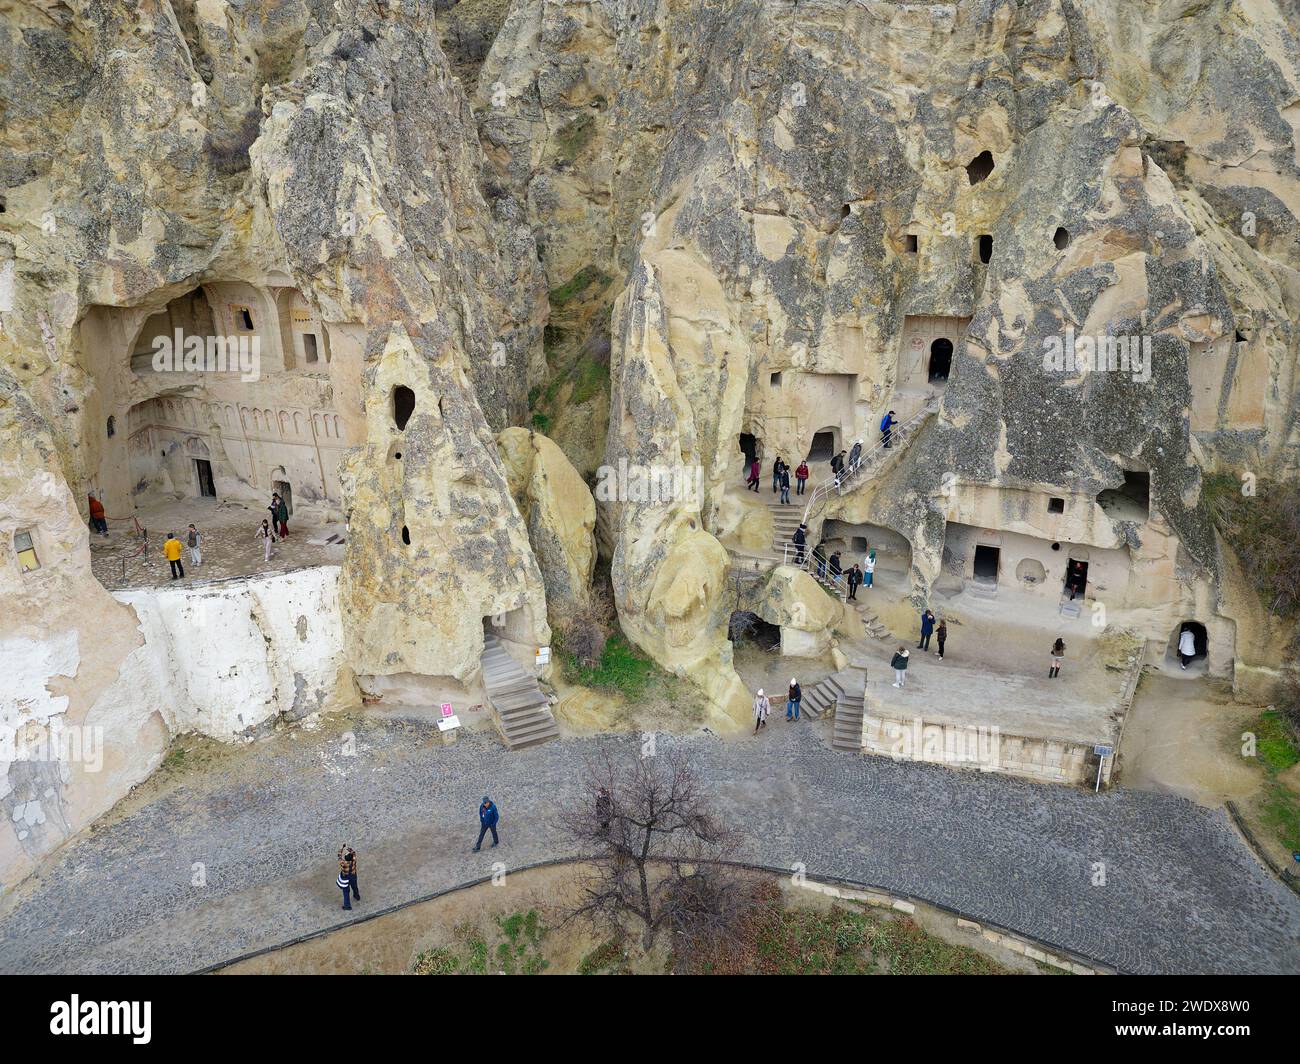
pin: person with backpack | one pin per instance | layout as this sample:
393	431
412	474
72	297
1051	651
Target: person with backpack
488	816
799	539
194	543
899	664
801	477
837	464
1058	652
762	707
887	424
927	628
793	697
785	483
941	634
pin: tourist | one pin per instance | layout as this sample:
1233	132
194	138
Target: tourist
761	709
604	809
869	569
777	466
194	543
785	483
344	881
348	862
801	476
487	819
172	552
855	579
819	556
927	627
799	539
855	456
1075	579
754	470
1186	646
899	665
98	521
793	698
887	424
837	464
941	634
267	536
280	514
1058	652
835	566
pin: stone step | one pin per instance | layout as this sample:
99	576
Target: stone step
507	701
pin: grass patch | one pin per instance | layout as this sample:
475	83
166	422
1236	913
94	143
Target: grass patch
622	668
517	953
606	959
541	422
590	378
1277	806
1264	530
578	284
1279	811
1274	745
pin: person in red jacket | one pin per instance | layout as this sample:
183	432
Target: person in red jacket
801	475
97	520
755	471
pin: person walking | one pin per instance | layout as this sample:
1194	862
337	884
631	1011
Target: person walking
801	476
854	577
793	697
1186	647
855	456
819	556
348	861
194	544
785	483
869	569
280	510
344	881
887	424
267	536
777	466
899	664
488	816
941	634
762	707
799	539
754	470
837	465
1058	652
1075	581
835	566
927	628
172	552
604	808
97	519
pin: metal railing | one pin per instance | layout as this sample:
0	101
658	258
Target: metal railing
838	483
800	557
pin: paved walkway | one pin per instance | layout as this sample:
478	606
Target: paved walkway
1181	892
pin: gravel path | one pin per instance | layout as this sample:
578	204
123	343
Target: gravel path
1181	891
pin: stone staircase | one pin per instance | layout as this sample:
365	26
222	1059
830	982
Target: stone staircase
871	624
841	695
523	711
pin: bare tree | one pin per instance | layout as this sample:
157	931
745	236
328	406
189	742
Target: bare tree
654	845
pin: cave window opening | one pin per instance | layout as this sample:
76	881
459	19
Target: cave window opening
985	248
775	380
1061	238
1131	501
403	406
244	318
1239	338
25	548
111	427
910	243
311	352
979	167
1055	505
406	535
823	446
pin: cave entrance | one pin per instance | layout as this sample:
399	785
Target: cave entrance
203	474
940	360
747	627
1200	642
748	447
285	491
1131	501
823	446
987	560
1076	578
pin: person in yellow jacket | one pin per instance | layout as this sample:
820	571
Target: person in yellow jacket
172	552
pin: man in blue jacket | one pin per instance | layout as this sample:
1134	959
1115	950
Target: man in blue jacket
487	818
927	627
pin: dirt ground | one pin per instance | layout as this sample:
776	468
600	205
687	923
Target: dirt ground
230	546
391	944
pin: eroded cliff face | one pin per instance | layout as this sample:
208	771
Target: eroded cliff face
797	191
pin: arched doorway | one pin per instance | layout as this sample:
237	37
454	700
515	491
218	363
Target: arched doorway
940	360
825	443
1200	642
748	447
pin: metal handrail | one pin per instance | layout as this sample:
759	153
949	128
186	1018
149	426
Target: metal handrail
837	483
837	581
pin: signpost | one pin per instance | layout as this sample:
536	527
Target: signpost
1102	753
448	720
543	656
